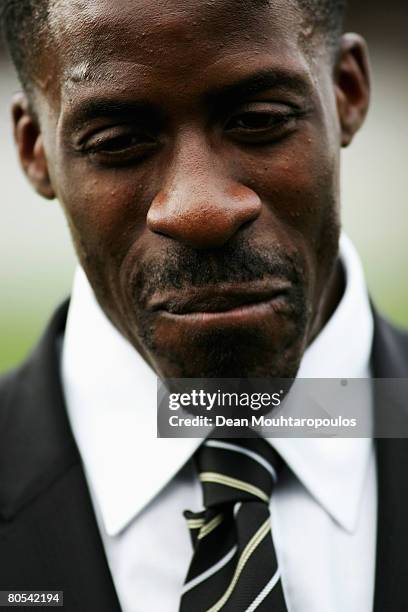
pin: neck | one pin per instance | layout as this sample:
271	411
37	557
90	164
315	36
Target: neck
328	304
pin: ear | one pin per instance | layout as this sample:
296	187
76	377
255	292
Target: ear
30	147
352	81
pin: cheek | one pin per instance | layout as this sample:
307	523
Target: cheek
106	210
300	186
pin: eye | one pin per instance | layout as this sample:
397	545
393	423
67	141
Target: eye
261	122
114	146
120	143
256	121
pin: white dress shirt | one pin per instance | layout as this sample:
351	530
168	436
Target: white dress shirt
323	512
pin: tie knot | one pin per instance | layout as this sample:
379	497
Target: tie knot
237	470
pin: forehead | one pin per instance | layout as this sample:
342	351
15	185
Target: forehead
170	21
101	39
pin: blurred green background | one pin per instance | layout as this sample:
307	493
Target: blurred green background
37	260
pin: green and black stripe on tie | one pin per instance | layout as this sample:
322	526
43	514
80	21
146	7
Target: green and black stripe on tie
234	566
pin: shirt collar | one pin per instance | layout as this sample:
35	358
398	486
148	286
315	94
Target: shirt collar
334	470
110	395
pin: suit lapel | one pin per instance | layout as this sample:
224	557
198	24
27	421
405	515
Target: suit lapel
54	544
49	538
390	360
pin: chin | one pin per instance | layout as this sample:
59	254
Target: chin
230	355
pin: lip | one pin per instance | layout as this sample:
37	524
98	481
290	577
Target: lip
221	302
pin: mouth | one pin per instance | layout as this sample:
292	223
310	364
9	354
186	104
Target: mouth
223	303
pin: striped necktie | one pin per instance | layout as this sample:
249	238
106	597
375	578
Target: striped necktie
234	566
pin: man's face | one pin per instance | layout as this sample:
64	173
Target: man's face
195	149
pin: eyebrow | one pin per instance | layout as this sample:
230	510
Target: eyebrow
248	86
259	82
105	107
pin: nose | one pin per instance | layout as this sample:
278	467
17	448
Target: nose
198	205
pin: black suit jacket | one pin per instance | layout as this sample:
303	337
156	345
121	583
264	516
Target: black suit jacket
48	534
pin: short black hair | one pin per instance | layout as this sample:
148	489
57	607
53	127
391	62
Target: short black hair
24	23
